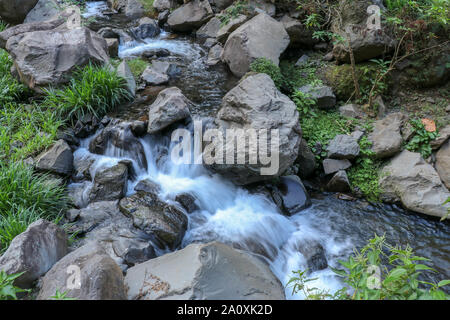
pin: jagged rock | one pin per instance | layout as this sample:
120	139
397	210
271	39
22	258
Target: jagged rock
44	58
219	5
123	70
147	28
153	216
290	195
443	163
237	274
59	159
153	77
133	9
306	160
366	44
343	147
121	137
214	55
187	201
209	29
386	137
190	16
444	134
15	11
339	182
261	6
139	128
210	42
119	34
113	47
299	34
34	252
351	111
323	95
169	107
44	10
225	30
148	186
332	165
110	183
162	17
409	179
314	255
100	277
260	37
255	103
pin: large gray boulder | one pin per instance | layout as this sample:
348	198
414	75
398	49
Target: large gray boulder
110	183
323	95
299	34
333	165
147	28
132	9
386	136
34	252
169	107
366	44
443	163
290	195
166	222
100	277
343	147
234	23
59	159
256	104
409	179
190	16
209	29
43	11
260	37
211	271
44	58
15	11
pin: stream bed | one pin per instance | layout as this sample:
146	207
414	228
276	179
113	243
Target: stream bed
252	222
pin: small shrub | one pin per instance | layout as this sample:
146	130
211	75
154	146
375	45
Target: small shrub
92	90
378	272
264	65
7	289
420	142
304	103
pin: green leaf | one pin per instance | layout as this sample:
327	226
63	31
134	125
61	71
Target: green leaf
443	283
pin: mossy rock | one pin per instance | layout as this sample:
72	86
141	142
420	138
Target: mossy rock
340	78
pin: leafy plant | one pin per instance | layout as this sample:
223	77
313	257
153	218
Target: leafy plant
237	8
264	65
420	142
305	104
7	289
378	272
92	90
61	296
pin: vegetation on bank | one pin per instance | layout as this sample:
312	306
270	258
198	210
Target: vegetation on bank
28	127
379	271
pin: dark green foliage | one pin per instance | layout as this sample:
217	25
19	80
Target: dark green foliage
420	142
7	289
10	89
264	65
378	272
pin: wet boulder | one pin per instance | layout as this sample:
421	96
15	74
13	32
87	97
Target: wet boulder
414	182
100	277
155	217
237	275
323	96
190	16
15	11
343	147
260	37
306	161
256	104
44	58
443	163
169	107
147	28
110	183
34	252
187	201
339	182
314	254
118	136
58	159
44	10
386	136
148	186
290	195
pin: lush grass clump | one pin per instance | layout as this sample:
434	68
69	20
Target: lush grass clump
3	26
10	89
92	90
25	130
26	197
137	66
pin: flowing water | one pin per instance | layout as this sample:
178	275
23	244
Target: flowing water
252	222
